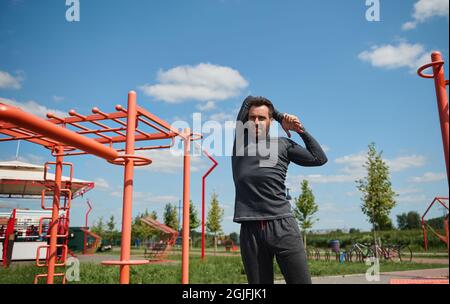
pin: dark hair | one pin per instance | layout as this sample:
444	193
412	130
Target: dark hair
261	101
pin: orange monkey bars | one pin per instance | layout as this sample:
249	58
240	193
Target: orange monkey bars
55	135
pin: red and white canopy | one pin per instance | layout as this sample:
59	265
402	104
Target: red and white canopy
23	180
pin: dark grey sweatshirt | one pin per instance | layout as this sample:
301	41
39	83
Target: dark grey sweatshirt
260	190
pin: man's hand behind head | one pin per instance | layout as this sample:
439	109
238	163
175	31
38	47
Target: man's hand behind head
291	123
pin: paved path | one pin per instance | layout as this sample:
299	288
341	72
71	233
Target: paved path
385	277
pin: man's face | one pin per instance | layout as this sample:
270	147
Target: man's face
259	115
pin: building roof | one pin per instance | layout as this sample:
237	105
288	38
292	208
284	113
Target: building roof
19	179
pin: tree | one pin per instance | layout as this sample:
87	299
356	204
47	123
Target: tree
305	208
215	215
99	227
111	225
234	236
194	221
171	216
154	215
354	230
414	220
140	230
410	220
378	196
402	221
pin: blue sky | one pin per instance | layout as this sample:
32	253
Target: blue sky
349	80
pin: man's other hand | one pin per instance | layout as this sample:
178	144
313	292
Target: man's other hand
291	123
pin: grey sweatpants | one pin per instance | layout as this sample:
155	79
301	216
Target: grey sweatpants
262	240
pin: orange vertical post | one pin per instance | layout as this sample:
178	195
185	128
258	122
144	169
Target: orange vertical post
55	218
86	226
128	189
446	232
442	102
186	196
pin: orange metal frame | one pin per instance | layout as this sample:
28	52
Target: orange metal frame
97	242
437	63
55	135
445	239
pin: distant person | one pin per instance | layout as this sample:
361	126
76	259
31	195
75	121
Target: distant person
268	226
2	231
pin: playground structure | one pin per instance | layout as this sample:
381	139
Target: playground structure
437	63
90	247
55	135
443	201
160	250
228	243
27	181
22	225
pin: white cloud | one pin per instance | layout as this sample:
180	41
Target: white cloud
147	197
409	25
210	105
222	117
410	195
32	107
428	177
102	183
57	98
7	81
32	159
402	191
412	199
425	10
164	161
405	162
337	208
325	148
354	168
396	56
353	163
203	82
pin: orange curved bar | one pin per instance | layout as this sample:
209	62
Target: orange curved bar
137	159
127	263
421	70
67	137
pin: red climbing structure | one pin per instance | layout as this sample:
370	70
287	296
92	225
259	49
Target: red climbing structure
78	134
437	63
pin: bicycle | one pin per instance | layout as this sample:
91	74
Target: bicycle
399	253
395	253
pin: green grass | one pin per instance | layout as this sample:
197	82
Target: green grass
212	270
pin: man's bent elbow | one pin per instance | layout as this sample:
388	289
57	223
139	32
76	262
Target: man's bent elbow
322	161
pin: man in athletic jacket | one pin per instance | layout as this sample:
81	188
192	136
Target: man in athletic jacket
268	227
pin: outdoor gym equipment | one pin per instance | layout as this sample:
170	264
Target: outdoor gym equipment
437	63
160	250
55	135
